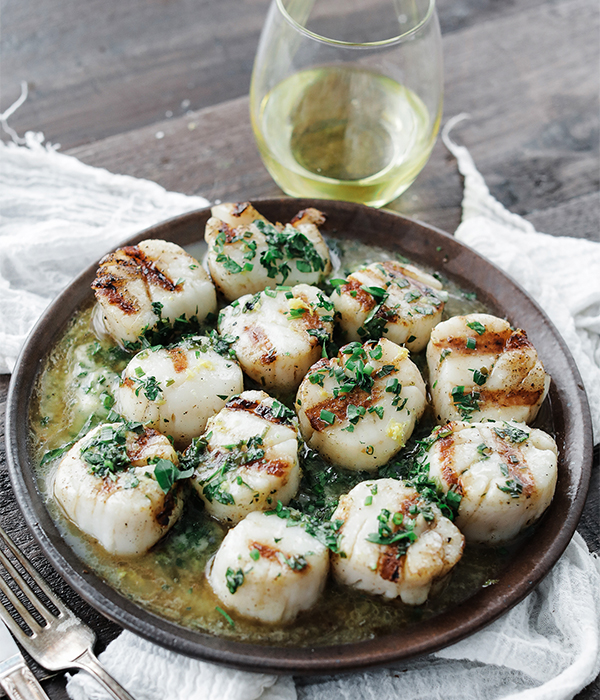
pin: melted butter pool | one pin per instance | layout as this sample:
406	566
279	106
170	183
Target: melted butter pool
78	380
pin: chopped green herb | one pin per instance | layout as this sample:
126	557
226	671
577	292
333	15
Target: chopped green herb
484	451
386	535
513	487
296	563
466	402
280	410
480	376
234	579
225	615
298	312
166	474
479	328
150	385
444	354
327	417
512	433
378	410
377	293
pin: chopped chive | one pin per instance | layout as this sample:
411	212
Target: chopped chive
479	328
225	615
327	416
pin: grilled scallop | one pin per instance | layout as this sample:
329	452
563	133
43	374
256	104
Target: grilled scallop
268	571
279	334
138	286
177	389
246	253
480	368
112	485
504	473
390	299
359	409
392	543
248	458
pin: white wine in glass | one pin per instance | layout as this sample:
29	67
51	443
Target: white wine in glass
351	120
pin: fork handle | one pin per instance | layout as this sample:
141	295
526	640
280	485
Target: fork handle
88	662
21	684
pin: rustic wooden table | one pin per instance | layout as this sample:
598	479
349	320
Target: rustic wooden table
158	90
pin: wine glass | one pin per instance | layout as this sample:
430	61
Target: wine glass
346	96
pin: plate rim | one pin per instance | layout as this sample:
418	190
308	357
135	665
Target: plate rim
451	626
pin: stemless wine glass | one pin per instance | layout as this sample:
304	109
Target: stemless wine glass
346	96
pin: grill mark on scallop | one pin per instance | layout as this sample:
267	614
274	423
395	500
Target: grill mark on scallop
339	405
230	233
128	382
119	268
394	271
519	397
447	449
136	448
273	467
114	289
519	470
148	268
489	342
308	216
260	409
179	359
364	299
265	551
163	516
310	319
389	564
239	209
260	339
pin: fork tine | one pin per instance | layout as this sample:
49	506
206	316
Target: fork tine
28	618
14	627
53	646
26	564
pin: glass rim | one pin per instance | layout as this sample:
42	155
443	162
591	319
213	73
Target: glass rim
356	44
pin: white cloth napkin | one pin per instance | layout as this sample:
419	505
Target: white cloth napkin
58	214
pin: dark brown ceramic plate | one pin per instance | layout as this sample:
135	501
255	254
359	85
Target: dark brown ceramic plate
566	414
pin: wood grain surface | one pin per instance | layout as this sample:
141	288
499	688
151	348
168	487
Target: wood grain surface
106	78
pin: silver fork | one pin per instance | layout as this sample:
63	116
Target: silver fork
64	641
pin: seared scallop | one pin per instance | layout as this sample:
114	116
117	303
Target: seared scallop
177	389
504	474
392	542
279	333
155	281
117	485
247	253
267	570
481	368
390	299
248	458
359	409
